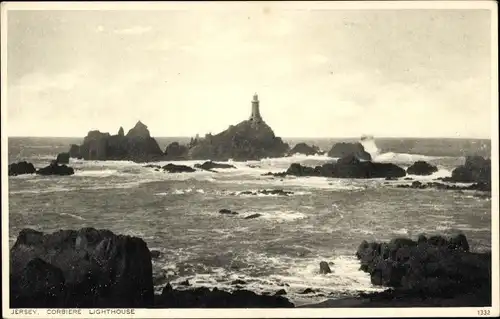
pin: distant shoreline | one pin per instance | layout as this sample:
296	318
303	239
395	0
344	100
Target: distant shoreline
288	138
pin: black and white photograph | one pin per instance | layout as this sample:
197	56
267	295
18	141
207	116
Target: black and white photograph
289	159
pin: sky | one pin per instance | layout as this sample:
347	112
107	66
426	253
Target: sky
318	73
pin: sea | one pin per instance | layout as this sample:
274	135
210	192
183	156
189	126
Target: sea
325	219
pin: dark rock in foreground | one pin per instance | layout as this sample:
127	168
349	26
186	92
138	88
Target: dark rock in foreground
85	268
303	148
347	167
421	168
434	267
215	298
55	169
349	149
21	168
172	168
63	158
209	165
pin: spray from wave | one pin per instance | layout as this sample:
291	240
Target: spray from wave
368	142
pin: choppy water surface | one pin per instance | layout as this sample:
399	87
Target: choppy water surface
325	219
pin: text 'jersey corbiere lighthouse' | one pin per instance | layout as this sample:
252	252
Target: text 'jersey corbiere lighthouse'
255	117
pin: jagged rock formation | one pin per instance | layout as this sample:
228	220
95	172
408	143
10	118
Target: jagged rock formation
137	145
421	168
85	268
303	148
21	168
346	149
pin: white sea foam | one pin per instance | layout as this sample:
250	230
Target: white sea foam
402	158
72	215
442	172
277	215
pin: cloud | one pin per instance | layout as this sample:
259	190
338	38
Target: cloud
133	30
318	59
100	28
39	82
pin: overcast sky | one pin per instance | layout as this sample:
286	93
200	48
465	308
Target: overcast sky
318	73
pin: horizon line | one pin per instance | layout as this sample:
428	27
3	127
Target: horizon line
290	137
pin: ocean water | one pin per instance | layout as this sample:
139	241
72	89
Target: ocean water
324	220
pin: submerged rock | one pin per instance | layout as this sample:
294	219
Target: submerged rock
172	168
227	212
421	168
209	165
55	169
84	268
21	168
252	216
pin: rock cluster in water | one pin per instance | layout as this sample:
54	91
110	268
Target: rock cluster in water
421	168
209	165
303	148
53	168
434	267
346	167
137	145
475	169
98	269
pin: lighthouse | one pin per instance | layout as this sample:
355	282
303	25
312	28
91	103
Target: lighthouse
255	117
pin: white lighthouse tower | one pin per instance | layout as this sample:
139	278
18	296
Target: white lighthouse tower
255	117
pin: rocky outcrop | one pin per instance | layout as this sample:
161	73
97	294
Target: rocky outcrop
324	268
225	211
347	167
475	169
303	148
56	169
421	168
121	132
175	151
63	158
172	168
209	165
214	298
21	168
136	146
247	140
74	151
357	150
84	268
434	267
